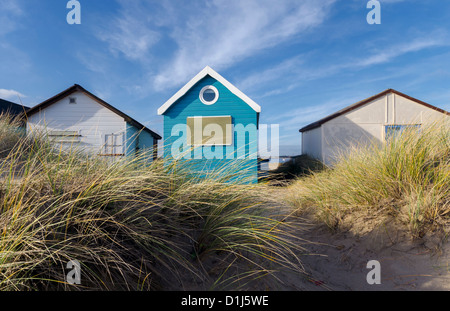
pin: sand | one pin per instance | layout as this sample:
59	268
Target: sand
340	261
337	261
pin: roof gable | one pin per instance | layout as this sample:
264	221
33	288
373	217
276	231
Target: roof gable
364	102
208	71
78	88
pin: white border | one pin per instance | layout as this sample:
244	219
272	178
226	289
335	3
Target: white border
208	71
209	87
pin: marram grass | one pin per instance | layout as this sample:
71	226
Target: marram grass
131	225
406	178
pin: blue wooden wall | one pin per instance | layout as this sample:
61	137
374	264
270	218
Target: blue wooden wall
136	138
242	170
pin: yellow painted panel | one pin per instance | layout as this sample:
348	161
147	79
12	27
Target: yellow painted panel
207	131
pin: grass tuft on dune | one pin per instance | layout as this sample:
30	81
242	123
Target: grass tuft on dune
406	179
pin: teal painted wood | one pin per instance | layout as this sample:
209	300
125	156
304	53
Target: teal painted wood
131	138
228	104
138	142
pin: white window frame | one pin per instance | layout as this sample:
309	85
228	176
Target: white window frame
114	145
203	90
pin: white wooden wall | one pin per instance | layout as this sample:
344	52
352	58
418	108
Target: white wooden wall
365	125
92	121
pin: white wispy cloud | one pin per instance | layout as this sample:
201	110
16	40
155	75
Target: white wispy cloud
9	13
10	94
287	69
218	33
295	71
221	33
391	1
224	33
130	33
387	54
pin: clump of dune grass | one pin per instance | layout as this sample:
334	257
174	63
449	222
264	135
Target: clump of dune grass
11	131
406	179
132	225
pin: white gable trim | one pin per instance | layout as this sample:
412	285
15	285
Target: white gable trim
208	71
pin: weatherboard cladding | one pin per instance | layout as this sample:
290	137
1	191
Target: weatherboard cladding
228	104
77	88
92	120
365	123
364	102
139	141
132	139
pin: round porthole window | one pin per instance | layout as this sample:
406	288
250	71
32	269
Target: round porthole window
209	95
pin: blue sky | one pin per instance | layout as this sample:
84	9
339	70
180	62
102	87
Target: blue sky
300	60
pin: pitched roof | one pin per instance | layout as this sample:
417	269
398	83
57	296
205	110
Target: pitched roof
78	88
362	103
208	71
12	108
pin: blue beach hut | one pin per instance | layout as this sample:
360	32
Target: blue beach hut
214	126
